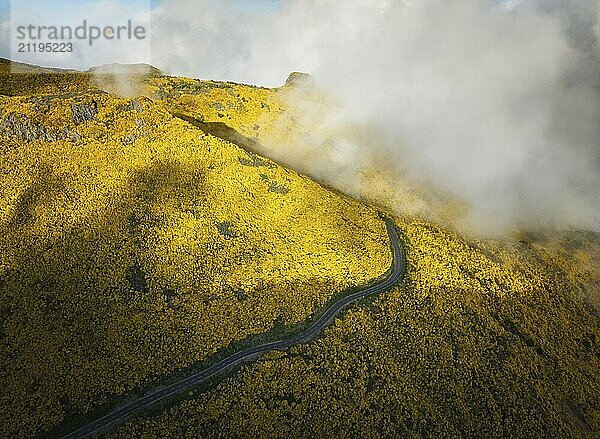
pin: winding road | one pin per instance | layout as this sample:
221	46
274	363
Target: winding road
120	414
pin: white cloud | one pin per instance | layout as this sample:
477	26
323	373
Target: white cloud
498	109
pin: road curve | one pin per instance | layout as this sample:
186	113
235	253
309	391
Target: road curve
120	414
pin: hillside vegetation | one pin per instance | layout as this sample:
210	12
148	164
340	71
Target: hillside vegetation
134	244
488	340
141	235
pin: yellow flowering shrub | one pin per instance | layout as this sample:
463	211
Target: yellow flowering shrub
486	339
134	245
136	241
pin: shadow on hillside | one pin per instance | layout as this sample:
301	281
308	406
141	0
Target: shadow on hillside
81	285
224	132
93	290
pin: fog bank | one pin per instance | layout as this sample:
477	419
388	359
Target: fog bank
494	104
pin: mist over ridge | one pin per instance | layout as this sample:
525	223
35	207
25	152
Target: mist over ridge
495	104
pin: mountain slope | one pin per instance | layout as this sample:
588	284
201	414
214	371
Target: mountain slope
490	339
134	244
141	235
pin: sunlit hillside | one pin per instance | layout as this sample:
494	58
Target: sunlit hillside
142	235
134	244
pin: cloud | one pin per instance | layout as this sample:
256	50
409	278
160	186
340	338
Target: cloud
597	23
496	107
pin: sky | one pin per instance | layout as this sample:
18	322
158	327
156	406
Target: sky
258	6
261	5
67	10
